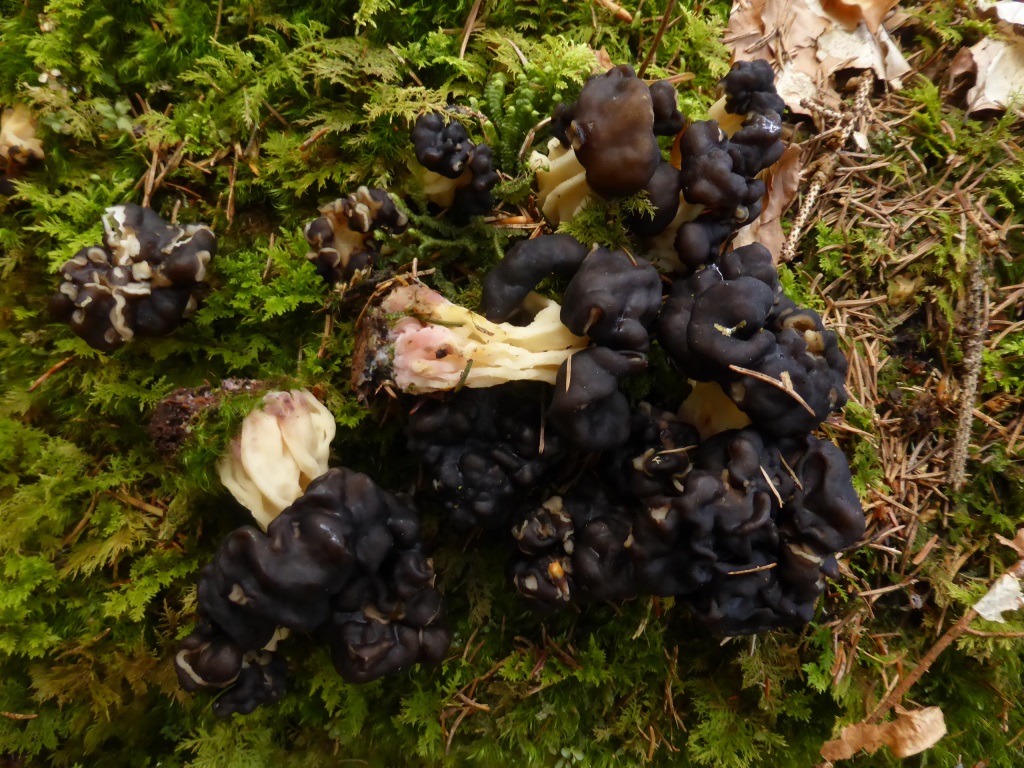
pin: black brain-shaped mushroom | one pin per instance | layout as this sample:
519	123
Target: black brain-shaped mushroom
465	170
613	298
344	561
572	550
343	237
524	265
750	538
730	323
485	451
611	128
142	282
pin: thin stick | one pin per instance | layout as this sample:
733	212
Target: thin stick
617	10
652	51
467	30
50	373
784	386
974	344
929	658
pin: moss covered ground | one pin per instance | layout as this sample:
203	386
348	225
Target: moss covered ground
247	115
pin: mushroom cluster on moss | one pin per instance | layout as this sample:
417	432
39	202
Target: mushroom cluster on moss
343	562
343	239
458	174
523	418
143	281
710	505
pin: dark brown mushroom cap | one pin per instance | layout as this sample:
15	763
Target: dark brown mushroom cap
611	128
750	87
525	264
587	407
440	147
484	452
708	176
824	512
656	457
663	192
613	298
342	238
668	120
698	242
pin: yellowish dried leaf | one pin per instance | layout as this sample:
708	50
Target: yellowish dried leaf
909	734
853	12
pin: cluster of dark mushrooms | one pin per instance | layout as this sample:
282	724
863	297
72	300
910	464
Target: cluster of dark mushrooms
518	413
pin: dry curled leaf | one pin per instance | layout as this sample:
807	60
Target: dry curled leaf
909	734
1000	81
782	181
813	44
1005	595
853	12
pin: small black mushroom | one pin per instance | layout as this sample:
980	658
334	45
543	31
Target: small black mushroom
441	147
708	174
732	324
345	549
750	87
343	237
613	298
668	120
657	456
525	264
143	282
587	406
572	550
465	173
485	451
611	129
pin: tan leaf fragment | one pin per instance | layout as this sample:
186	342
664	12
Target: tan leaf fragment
1004	595
1000	66
909	734
813	44
1011	11
782	181
853	12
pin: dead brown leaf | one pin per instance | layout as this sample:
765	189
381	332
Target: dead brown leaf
1000	66
808	44
782	181
909	734
853	12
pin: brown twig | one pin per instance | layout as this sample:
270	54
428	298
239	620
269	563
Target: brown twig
906	683
785	386
617	10
652	49
826	167
467	30
974	344
50	373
